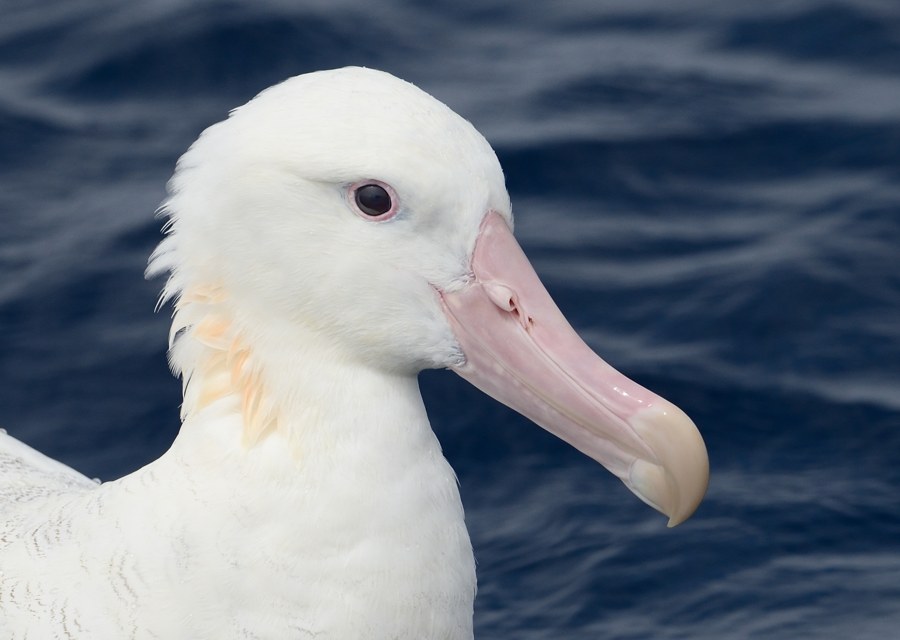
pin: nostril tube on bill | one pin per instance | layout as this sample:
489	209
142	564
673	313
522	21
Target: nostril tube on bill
501	295
506	299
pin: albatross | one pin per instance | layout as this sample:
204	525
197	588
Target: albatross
325	243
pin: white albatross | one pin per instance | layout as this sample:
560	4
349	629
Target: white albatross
329	240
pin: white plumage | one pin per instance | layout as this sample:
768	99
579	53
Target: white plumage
306	495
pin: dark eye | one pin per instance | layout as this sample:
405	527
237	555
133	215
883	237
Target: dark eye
373	199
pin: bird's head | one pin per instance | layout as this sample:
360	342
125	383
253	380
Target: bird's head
351	208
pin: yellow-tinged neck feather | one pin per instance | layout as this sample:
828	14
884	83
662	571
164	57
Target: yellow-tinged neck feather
215	361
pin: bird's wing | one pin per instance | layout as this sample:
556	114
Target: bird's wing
26	474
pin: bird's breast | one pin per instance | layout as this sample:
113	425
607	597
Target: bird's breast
363	538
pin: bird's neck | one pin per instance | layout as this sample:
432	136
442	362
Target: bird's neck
249	380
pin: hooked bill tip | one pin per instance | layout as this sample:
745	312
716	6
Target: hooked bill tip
678	483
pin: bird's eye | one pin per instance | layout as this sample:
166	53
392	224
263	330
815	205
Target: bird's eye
374	200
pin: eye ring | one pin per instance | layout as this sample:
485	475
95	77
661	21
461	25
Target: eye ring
373	200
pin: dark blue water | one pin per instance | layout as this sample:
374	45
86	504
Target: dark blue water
711	190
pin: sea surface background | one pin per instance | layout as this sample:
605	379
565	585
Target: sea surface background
709	189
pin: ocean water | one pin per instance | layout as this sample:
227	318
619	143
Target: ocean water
710	190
